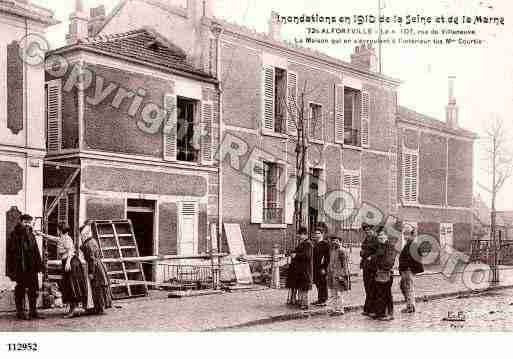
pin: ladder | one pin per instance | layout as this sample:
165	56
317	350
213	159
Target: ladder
117	241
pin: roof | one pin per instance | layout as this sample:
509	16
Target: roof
28	11
415	118
263	37
144	46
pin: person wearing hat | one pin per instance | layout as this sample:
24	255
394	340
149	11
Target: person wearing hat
321	262
339	275
23	265
368	249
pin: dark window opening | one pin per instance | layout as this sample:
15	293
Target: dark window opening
351	117
187	146
280	92
273	209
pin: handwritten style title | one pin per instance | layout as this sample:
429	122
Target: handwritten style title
401	20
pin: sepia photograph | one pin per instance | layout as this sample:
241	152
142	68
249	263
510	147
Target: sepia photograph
242	166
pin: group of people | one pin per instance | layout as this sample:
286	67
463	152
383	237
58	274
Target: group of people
84	276
378	255
326	264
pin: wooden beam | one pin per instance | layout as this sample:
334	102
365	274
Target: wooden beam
66	185
60	164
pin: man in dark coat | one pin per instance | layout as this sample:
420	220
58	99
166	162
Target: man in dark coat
23	265
304	267
368	249
410	264
321	261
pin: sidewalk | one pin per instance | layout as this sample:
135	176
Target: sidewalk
222	311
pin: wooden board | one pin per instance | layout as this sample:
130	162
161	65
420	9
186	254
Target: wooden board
237	248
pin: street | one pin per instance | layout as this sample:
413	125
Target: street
491	311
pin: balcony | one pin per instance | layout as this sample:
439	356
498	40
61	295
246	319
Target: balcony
351	137
273	215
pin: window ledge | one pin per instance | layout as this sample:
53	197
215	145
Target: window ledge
356	148
411	204
275	134
319	142
273	226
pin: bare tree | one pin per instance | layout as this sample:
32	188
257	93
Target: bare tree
499	158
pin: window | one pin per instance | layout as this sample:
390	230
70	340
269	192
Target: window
280	91
315	124
188	148
446	237
272	203
410	173
351	117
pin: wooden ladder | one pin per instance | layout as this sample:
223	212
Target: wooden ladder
117	241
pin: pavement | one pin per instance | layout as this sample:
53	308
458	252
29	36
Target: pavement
226	311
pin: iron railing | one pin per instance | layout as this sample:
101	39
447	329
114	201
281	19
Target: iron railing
351	137
186	276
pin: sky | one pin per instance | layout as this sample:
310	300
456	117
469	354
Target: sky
484	75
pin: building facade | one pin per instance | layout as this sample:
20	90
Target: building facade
22	121
138	123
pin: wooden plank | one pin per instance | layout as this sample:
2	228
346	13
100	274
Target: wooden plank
234	238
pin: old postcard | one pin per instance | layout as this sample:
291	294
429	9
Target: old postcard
255	166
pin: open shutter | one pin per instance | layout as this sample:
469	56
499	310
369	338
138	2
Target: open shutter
54	115
171	127
339	114
207	117
365	119
290	193
257	192
268	121
292	105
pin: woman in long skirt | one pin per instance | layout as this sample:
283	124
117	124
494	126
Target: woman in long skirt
73	285
339	275
100	284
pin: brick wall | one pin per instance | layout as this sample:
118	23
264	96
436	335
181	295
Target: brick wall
460	173
432	169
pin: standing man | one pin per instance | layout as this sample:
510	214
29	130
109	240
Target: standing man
23	265
409	266
368	249
321	262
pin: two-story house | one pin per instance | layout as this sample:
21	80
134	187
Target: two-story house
356	130
22	148
140	122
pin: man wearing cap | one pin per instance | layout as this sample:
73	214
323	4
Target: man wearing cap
23	264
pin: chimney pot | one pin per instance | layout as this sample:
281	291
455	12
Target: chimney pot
275	26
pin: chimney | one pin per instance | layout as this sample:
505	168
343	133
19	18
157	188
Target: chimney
365	58
275	26
97	18
452	108
198	9
78	27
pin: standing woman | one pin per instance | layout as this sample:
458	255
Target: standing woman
292	298
304	267
73	285
100	284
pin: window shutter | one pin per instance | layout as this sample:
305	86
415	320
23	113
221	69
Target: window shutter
352	185
54	115
170	128
188	243
207	117
339	114
62	209
410	177
364	116
292	102
290	194
257	192
269	87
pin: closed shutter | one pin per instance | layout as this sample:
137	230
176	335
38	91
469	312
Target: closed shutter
207	117
292	107
352	185
257	192
446	237
365	119
339	114
62	210
268	121
410	177
393	181
290	193
170	128
54	115
188	229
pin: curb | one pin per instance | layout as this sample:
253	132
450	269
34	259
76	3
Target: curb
350	308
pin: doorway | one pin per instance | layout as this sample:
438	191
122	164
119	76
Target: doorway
142	215
314	202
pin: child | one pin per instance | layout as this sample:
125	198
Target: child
339	275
